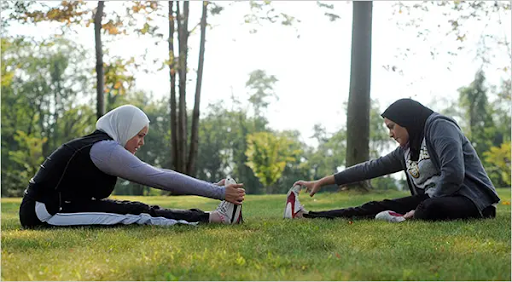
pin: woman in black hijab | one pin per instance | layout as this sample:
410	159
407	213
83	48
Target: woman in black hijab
444	174
412	116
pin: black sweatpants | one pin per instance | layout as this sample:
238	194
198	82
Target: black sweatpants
101	212
442	208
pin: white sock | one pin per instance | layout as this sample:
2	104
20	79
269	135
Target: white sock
214	217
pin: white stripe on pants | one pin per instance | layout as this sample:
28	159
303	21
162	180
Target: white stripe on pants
102	218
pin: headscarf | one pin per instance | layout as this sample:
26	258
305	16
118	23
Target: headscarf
412	115
123	123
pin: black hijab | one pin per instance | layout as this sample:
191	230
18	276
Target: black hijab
412	115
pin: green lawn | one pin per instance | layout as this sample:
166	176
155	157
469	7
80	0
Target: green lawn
266	247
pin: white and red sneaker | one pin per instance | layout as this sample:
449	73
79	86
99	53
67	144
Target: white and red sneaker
230	213
293	208
390	216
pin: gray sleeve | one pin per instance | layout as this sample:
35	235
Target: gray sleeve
446	139
385	165
113	159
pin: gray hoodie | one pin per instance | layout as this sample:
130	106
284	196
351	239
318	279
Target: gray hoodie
460	170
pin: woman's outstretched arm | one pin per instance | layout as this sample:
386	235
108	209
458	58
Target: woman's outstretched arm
113	159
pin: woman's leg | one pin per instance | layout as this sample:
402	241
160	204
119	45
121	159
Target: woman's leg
27	214
112	212
370	209
446	208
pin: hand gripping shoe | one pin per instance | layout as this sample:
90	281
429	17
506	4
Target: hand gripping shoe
229	212
293	206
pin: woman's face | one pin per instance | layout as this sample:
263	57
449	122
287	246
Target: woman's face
137	141
397	132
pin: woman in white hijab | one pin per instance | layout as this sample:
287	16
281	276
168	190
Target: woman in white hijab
73	184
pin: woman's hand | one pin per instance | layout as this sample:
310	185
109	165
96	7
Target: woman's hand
311	186
235	193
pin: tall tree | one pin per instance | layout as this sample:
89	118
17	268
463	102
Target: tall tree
182	139
172	73
195	115
183	34
100	79
358	112
479	126
261	86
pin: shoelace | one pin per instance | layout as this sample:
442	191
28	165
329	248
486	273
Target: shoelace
223	208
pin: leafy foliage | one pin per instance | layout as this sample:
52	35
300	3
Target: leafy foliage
329	8
267	155
460	22
330	153
47	93
41	105
487	125
261	87
27	159
479	125
498	160
263	11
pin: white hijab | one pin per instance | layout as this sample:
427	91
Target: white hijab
123	123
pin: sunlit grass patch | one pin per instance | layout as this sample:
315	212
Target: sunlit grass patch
266	247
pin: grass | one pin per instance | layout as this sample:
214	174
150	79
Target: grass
266	247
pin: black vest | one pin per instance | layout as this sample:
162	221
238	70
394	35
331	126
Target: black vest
69	174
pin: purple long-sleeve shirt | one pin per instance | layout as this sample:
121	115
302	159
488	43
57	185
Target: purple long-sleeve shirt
111	158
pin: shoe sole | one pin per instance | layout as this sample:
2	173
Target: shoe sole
288	211
236	217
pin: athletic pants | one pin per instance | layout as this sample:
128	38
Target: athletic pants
105	212
441	208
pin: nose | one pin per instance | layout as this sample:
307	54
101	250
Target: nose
141	142
391	135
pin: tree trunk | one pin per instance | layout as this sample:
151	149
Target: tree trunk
172	71
194	138
358	112
182	120
43	119
56	97
100	101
